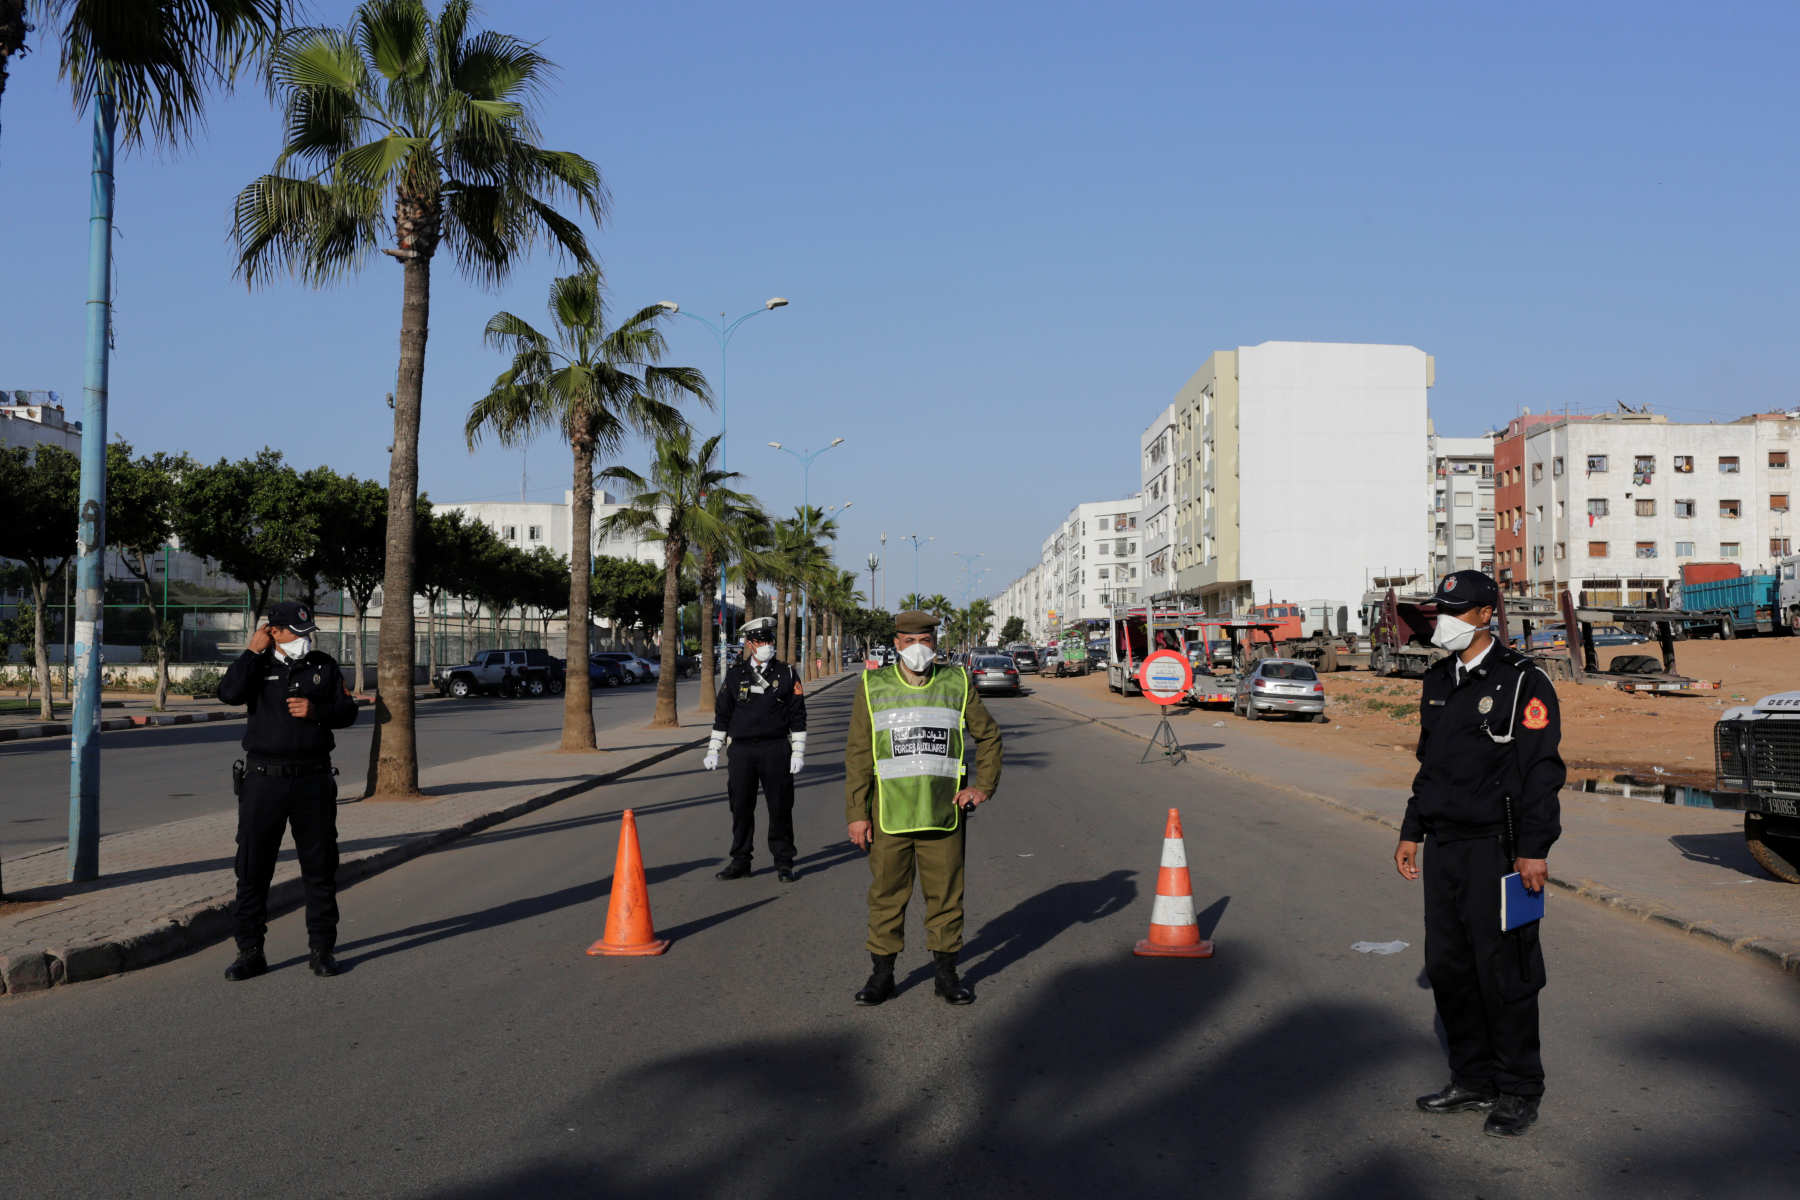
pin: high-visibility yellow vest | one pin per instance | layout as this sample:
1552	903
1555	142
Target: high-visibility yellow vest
918	747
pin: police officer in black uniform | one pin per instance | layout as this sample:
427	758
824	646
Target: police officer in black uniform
296	696
1485	799
763	707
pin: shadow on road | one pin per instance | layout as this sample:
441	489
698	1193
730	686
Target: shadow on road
1726	851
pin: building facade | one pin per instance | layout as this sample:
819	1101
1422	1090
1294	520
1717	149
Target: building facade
1615	505
37	419
1462	504
1156	474
1293	481
526	525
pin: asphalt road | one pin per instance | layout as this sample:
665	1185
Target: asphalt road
473	1050
170	773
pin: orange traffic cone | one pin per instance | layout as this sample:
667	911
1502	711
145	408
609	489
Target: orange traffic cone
1173	931
628	928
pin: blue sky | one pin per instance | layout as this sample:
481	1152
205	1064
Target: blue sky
1010	232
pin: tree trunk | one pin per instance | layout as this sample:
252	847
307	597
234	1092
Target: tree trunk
709	569
674	551
40	639
750	595
786	626
578	696
396	773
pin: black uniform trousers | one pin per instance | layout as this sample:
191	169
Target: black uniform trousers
764	761
268	806
1485	982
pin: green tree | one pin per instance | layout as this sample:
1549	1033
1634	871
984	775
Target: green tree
669	506
595	386
352	544
1012	631
421	125
448	545
620	586
547	590
252	517
39	490
141	508
156	58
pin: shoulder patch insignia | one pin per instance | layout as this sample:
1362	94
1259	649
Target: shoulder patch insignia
1536	716
798	690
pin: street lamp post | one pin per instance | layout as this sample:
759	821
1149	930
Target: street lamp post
723	331
806	458
917	542
884	577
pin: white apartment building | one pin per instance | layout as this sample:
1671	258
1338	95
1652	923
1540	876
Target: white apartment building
1156	474
1461	500
1615	505
1296	476
530	524
37	419
1095	559
1024	598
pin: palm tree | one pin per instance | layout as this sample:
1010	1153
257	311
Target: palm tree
838	596
912	602
423	125
671	506
151	62
713	544
808	560
595	386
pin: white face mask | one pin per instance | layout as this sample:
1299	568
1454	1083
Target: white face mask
295	650
1452	634
917	657
763	652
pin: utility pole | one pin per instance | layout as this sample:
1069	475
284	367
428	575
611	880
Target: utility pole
90	525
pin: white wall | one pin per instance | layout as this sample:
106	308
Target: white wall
1330	438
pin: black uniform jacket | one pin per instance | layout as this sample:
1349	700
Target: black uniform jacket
265	681
766	705
1465	774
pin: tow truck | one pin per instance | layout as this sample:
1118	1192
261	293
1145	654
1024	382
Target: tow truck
1757	760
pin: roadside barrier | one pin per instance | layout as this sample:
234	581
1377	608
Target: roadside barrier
628	928
1173	931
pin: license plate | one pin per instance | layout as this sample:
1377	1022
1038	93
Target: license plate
1781	806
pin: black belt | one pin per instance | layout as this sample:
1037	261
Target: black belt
288	770
1449	831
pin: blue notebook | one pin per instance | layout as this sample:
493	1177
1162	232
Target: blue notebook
1518	906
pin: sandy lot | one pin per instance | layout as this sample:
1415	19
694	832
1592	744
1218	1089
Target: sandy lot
1666	738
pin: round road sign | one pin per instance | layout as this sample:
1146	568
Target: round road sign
1166	676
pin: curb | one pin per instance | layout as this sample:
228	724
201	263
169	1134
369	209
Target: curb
20	733
203	924
1783	956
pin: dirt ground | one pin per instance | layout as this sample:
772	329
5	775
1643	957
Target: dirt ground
1663	738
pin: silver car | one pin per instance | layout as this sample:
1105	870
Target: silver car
994	673
1280	685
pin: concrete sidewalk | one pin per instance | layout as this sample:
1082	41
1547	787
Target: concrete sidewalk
169	888
136	711
1684	867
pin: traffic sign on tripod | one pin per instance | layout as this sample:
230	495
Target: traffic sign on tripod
1165	678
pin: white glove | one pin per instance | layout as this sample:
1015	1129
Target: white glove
713	745
711	760
795	763
797	743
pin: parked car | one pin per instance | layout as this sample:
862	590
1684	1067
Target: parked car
641	670
1026	659
1280	685
503	673
1549	639
606	673
994	673
1617	635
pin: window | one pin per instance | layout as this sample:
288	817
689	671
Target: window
1644	464
509	533
1537	471
1728	550
1559	510
1596	508
1596	549
1731	509
1561	549
1596	464
1104	526
1646	508
1780	547
1684	549
1728	464
1104	572
1465	500
1684	508
1778	502
1646	549
535	533
1464	532
1778	460
1556	466
1684	464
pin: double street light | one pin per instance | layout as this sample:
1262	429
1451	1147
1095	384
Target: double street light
723	330
806	458
917	542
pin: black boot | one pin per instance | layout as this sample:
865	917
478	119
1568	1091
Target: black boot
737	868
322	963
1456	1098
951	988
881	981
250	963
1512	1116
